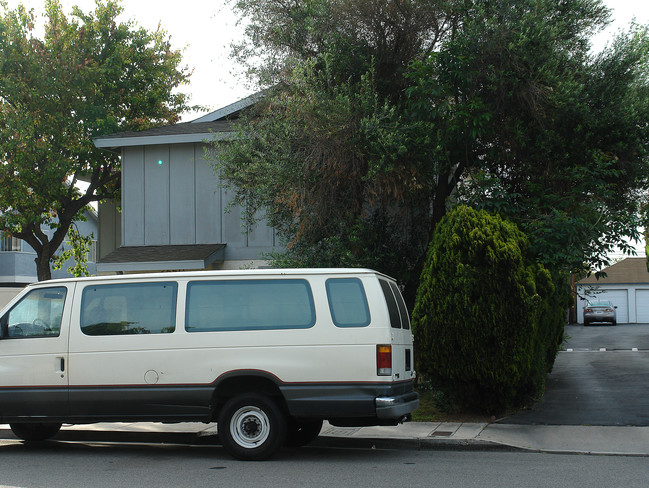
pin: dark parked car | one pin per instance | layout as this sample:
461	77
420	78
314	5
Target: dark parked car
600	311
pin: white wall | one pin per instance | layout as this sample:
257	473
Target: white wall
6	294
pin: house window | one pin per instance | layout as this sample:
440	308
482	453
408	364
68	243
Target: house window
9	243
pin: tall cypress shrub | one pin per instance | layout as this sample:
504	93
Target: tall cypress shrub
477	315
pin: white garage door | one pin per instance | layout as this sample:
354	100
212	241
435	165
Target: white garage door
642	306
620	299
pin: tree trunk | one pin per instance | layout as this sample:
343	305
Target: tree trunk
43	270
443	191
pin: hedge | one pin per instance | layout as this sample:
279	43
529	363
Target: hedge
487	320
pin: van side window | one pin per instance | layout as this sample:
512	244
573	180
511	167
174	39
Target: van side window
393	308
38	314
130	308
403	310
249	305
347	302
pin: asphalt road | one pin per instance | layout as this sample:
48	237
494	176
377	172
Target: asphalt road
72	464
600	378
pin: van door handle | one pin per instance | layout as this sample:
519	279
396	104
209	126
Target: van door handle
62	369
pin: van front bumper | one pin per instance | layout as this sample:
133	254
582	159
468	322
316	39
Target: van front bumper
396	406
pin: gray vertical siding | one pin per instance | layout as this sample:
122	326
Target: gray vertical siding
261	235
156	195
133	196
233	232
208	201
181	202
110	231
182	208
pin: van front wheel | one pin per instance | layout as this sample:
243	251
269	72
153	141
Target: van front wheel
36	431
252	427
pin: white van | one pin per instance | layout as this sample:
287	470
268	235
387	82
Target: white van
268	354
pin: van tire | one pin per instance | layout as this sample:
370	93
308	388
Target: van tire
252	427
35	431
301	433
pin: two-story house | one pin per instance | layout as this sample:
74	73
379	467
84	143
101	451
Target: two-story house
174	210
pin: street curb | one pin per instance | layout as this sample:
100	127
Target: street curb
323	441
415	444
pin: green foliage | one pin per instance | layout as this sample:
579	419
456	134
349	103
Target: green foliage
325	156
79	247
487	320
325	163
381	111
356	34
89	75
544	132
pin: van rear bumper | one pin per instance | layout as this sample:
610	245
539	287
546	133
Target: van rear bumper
396	406
374	404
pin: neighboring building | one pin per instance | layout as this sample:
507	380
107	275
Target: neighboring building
626	285
174	211
17	266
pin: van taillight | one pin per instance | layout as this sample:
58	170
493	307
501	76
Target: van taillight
384	360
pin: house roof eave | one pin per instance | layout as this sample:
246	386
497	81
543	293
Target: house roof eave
129	141
231	109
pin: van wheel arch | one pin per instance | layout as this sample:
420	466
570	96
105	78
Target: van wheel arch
240	384
35	431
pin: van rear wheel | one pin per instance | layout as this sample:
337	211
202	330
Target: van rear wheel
36	431
252	427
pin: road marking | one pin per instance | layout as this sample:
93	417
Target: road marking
604	349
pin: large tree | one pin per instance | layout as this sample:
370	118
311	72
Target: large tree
87	76
382	109
560	135
323	153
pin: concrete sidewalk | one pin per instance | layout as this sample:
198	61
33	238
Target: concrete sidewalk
622	441
626	441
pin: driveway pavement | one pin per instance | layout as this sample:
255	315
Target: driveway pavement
600	378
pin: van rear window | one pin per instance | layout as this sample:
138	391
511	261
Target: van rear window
403	310
129	308
393	308
347	302
227	305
